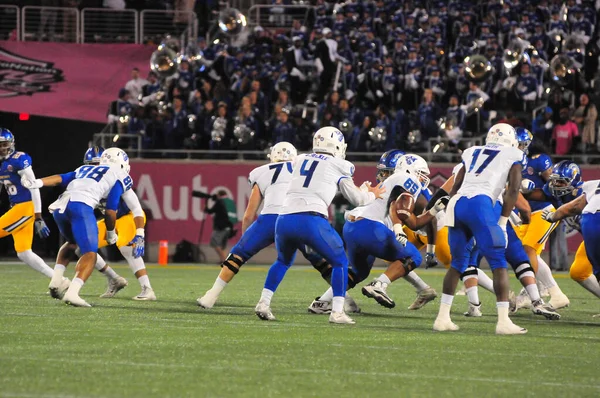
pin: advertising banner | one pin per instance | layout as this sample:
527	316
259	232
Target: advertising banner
65	80
165	189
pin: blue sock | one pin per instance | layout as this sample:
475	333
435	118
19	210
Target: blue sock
275	275
338	281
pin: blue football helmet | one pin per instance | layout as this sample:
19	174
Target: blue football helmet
7	143
565	177
387	164
92	155
524	137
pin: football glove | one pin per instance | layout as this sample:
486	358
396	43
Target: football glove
430	260
41	229
138	246
440	205
111	237
548	215
400	235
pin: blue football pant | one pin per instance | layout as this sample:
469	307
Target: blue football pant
78	225
590	229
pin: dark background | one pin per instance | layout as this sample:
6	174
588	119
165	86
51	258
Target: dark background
56	146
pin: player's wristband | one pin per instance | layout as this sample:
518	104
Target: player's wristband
140	232
430	248
502	221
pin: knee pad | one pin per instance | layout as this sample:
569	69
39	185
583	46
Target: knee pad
524	270
233	263
408	266
470	273
325	271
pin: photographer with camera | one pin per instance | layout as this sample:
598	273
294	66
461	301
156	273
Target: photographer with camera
224	217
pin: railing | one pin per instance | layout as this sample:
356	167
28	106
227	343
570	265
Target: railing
10	23
275	16
105	25
106	140
50	24
155	24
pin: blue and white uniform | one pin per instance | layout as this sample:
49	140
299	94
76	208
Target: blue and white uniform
590	223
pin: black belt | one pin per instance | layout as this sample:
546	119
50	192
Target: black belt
308	213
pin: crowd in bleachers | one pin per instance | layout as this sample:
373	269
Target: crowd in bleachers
387	73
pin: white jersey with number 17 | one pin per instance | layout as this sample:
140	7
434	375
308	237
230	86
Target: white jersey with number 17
273	180
486	169
315	182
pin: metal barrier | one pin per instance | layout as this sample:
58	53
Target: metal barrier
155	24
50	24
106	139
275	16
105	25
10	23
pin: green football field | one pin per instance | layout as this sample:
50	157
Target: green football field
172	348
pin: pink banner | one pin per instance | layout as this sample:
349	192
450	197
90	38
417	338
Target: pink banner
165	189
71	81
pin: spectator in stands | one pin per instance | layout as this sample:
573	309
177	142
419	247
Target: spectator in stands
429	113
152	86
358	141
585	117
283	99
183	80
284	130
543	126
296	60
455	120
120	107
48	19
327	55
135	86
564	133
176	128
526	87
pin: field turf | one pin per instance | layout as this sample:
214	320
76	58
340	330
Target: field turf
172	348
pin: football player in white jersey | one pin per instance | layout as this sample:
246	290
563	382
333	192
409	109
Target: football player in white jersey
470	213
303	219
74	211
588	205
269	184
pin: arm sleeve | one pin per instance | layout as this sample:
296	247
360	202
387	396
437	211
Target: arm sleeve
27	173
67	178
353	194
112	201
133	202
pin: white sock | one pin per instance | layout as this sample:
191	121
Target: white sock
384	279
100	263
266	296
485	281
473	295
533	292
144	281
337	304
57	275
218	286
327	296
591	285
502	307
75	287
445	305
544	275
35	262
415	280
108	272
135	264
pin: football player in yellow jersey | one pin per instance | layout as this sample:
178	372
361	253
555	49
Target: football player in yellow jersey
25	214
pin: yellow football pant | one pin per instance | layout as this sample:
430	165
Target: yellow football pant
442	248
581	269
18	222
125	227
536	233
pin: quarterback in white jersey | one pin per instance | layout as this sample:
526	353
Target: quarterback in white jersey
269	184
470	213
74	211
588	205
303	219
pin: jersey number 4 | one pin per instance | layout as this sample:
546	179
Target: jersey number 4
490	153
307	171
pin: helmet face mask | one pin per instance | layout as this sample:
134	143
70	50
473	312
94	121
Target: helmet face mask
524	138
387	164
565	178
7	143
416	166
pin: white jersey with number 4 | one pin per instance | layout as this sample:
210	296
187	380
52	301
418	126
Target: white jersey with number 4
378	209
315	182
273	180
486	169
93	183
591	190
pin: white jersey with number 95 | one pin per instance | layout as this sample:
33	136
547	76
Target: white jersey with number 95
486	169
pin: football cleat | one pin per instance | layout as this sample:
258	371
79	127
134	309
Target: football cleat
75	300
461	292
559	301
208	300
147	294
522	301
423	297
509	328
545	310
512	302
444	325
114	285
378	290
58	292
341	318
263	311
350	305
320	306
474	310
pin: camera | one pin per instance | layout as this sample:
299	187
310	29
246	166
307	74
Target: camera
203	195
